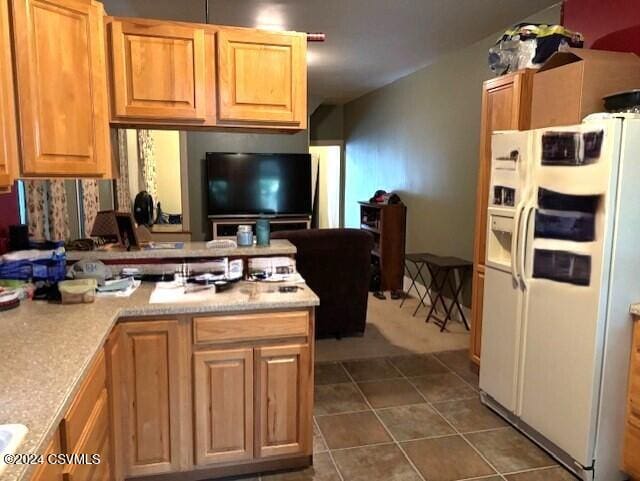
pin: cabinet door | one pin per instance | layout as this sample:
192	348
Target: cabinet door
223	405
284	404
262	77
158	71
476	307
150	384
8	133
62	87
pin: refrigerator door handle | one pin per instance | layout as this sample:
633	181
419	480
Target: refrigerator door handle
523	256
515	243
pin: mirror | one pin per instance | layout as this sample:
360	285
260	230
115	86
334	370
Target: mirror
152	175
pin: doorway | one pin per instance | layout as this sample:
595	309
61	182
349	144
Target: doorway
328	181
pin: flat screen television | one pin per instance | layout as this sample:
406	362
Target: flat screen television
258	184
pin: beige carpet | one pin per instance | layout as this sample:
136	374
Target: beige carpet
392	331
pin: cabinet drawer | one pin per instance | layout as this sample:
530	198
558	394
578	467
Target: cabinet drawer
77	416
250	327
94	440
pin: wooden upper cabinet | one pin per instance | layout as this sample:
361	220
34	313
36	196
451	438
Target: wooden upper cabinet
62	87
158	71
8	132
284	401
262	77
223	405
506	105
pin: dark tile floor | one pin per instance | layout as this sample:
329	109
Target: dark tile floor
413	418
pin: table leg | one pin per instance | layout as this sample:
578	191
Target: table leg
439	288
427	291
455	302
413	281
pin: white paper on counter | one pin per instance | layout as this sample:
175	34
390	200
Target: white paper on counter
173	292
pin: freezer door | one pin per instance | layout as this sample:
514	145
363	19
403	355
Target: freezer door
511	152
565	266
500	337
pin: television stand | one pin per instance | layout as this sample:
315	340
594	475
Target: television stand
227	227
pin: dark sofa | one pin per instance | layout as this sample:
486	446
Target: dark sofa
336	263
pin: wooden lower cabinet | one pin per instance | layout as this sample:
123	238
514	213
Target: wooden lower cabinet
85	430
156	402
223	405
631	454
188	400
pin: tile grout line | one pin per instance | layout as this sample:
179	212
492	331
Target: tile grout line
456	431
328	451
476	389
463	435
430	404
366	380
384	426
394	441
384	443
543	468
315	422
342	412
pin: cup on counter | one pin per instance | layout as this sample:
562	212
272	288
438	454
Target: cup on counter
263	232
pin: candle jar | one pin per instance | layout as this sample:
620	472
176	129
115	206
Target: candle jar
263	232
244	237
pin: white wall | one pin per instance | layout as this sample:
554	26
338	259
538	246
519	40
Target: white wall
167	153
419	136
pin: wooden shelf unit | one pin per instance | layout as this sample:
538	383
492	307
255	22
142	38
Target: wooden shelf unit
388	224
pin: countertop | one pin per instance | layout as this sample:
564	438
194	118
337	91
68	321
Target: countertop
46	350
278	247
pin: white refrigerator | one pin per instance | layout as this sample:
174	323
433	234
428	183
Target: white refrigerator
563	267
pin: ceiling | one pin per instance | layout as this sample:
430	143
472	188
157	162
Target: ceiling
370	43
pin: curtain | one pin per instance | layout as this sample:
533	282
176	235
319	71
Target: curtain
147	163
90	203
123	194
47	209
